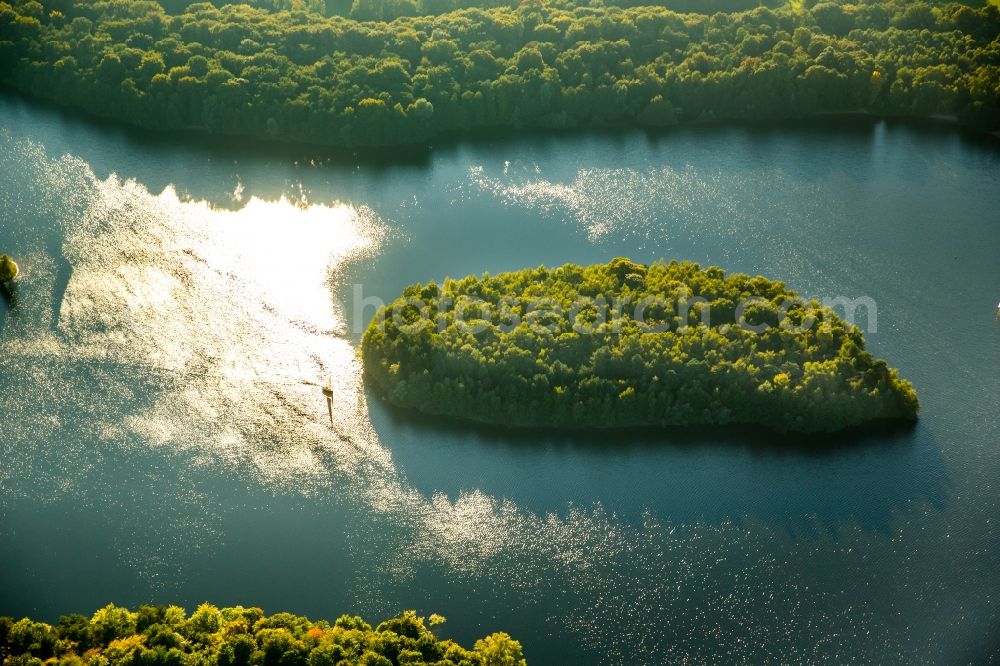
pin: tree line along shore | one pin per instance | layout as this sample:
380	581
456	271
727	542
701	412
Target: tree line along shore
238	636
390	72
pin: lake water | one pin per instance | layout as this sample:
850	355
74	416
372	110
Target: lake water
163	437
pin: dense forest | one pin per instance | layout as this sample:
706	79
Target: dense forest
166	636
378	72
624	344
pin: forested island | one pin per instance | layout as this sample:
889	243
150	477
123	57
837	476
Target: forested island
625	344
167	636
381	72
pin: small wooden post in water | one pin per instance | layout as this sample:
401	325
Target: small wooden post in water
328	392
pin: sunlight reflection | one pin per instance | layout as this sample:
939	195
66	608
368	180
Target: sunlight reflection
629	203
219	324
201	335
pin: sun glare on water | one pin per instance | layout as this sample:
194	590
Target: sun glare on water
290	252
224	317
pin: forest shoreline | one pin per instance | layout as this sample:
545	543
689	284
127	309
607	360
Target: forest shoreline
381	153
469	72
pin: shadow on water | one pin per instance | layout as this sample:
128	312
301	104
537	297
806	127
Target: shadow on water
803	482
8	301
64	273
302	164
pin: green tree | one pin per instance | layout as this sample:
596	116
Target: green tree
8	269
112	622
500	649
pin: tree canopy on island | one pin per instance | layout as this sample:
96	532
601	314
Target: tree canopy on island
167	636
336	72
624	344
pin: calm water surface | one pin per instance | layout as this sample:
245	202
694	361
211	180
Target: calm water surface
163	438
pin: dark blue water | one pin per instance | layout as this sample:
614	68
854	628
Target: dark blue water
163	438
